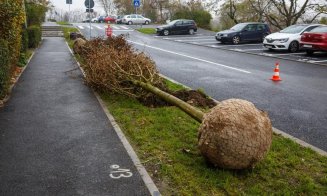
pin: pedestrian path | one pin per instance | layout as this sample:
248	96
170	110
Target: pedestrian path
55	139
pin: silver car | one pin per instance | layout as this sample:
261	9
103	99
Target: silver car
135	19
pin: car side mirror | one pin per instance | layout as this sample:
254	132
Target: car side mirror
244	30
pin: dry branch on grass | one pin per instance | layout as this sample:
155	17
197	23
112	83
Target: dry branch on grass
112	65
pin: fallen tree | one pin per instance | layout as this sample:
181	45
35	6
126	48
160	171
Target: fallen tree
233	135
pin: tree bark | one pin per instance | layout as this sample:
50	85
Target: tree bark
187	108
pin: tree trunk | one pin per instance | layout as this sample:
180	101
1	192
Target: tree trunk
187	108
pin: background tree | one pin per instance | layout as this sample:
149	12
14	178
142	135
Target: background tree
108	6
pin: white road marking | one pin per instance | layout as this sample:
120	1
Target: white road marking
81	27
178	37
311	61
201	43
287	54
216	46
258	49
123	27
183	40
195	58
114	27
129	30
99	27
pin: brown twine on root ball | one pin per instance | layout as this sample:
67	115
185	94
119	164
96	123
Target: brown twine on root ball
235	134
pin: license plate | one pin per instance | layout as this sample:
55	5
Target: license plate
307	46
267	46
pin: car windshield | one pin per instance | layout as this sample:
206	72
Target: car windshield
294	29
172	22
238	27
322	29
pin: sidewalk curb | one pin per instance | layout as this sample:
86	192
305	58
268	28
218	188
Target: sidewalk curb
276	131
7	97
154	191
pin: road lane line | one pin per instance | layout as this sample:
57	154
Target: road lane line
179	37
318	61
124	27
195	58
214	42
191	40
114	27
98	27
81	27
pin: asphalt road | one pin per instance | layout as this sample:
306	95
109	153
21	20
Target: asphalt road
297	105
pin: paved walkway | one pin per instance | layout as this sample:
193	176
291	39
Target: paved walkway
55	138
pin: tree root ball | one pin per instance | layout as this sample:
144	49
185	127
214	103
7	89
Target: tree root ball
235	135
77	45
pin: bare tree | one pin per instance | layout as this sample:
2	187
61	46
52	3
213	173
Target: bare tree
289	12
108	6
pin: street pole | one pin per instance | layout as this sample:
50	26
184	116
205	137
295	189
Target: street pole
69	13
90	17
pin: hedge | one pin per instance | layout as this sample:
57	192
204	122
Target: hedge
34	36
4	67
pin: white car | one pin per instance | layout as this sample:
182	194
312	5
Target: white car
94	20
288	38
135	19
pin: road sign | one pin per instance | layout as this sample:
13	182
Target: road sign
89	3
136	3
69	1
89	10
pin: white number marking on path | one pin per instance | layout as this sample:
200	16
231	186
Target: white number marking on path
117	173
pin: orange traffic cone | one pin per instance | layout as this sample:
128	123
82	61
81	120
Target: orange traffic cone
276	77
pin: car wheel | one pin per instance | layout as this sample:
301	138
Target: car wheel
166	32
236	40
309	52
130	23
146	22
191	31
293	47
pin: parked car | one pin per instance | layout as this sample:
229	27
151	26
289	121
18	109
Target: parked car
244	32
288	38
101	19
135	19
178	27
94	20
119	19
315	40
86	20
110	19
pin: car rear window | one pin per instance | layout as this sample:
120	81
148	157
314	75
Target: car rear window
322	29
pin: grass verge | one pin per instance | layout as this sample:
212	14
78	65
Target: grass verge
67	31
63	23
147	30
165	140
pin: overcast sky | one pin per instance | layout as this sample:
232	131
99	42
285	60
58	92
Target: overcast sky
77	4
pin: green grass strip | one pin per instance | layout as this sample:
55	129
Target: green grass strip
165	140
147	30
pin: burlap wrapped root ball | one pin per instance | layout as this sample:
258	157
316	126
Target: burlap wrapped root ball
235	135
78	45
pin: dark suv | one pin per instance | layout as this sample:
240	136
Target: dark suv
244	32
180	26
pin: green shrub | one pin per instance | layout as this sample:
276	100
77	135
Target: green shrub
4	67
34	36
11	19
24	40
35	13
195	12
